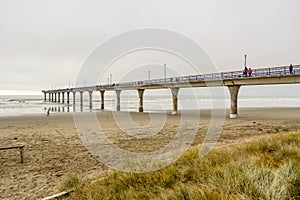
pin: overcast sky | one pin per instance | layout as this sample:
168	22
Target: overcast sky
44	43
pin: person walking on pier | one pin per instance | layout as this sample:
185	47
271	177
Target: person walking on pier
250	71
245	72
291	69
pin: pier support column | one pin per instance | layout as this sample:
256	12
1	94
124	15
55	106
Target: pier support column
55	95
118	92
49	96
141	94
52	97
102	99
81	98
58	97
91	99
175	100
68	97
74	96
45	96
63	97
234	91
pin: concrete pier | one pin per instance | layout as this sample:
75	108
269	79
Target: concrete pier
91	99
118	93
234	91
81	98
102	99
68	97
58	97
233	80
63	97
141	94
174	92
74	96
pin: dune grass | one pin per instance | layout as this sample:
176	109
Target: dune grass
264	169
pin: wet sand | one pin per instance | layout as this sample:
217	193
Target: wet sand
53	149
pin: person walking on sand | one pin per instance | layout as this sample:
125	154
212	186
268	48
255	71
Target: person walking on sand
250	71
291	69
48	112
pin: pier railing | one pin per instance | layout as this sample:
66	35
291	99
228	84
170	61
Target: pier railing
258	72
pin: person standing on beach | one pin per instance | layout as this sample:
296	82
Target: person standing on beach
48	112
291	69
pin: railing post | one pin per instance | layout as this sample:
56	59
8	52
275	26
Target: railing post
22	155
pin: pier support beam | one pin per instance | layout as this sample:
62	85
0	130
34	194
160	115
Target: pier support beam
91	99
175	100
141	94
102	99
49	95
58	97
63	97
234	91
118	93
74	96
52	97
68	97
81	99
55	95
45	96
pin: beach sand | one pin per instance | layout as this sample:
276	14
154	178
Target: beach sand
53	149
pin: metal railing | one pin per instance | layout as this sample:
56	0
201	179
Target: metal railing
258	72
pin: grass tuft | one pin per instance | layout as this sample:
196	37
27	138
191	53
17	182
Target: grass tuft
265	169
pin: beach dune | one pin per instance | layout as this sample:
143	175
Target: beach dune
53	149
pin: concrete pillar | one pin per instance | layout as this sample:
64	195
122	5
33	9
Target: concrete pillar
118	92
91	99
68	97
81	98
55	94
234	91
74	96
52	99
45	97
141	94
102	99
175	100
63	97
58	97
49	94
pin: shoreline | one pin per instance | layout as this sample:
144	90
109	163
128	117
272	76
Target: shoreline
241	111
53	149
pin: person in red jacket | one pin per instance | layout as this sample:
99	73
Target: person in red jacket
250	71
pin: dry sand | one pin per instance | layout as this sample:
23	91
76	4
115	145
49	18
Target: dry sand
53	149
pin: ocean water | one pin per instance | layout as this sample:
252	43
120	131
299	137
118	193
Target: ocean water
14	105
